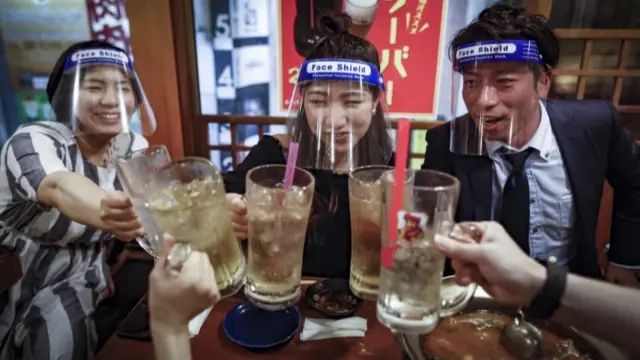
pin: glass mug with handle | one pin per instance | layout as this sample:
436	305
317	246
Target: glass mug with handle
365	203
410	298
133	172
362	14
278	219
187	199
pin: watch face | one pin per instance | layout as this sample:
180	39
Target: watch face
305	35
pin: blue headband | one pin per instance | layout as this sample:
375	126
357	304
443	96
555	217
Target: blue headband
503	50
98	56
341	69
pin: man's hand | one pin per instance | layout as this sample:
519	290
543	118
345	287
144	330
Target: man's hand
177	296
238	212
119	216
496	264
622	276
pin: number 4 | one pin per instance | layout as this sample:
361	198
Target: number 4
225	78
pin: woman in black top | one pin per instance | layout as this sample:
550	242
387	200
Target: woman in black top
348	110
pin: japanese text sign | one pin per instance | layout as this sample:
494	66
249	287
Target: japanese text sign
408	35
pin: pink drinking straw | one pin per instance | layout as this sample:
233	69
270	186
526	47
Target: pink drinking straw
292	158
399	176
402	158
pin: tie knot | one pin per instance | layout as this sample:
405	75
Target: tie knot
518	159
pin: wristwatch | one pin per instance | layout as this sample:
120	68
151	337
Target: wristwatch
545	304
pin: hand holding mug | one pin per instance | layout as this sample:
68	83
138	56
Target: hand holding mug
119	216
495	263
177	295
238	212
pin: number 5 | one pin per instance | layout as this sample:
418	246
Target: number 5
223	29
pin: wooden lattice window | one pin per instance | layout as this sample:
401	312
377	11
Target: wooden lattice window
599	53
239	150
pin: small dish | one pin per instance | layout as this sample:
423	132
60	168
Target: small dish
333	298
257	329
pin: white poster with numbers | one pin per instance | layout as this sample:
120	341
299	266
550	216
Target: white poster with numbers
251	18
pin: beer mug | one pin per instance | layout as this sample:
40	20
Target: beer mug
365	202
410	299
186	198
362	14
133	172
278	219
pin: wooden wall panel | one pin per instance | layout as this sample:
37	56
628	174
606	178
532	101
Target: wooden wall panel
542	7
153	47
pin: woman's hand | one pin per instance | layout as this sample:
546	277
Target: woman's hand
177	296
119	217
238	212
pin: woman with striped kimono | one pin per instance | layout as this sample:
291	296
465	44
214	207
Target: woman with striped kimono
60	206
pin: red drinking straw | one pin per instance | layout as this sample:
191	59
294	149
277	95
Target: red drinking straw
400	171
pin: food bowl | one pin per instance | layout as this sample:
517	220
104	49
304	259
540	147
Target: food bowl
333	298
482	303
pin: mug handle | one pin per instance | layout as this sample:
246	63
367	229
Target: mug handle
450	307
471	232
178	255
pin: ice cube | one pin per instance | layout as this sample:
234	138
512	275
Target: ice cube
295	198
370	211
162	200
261	198
262	221
183	220
210	186
294	217
180	194
198	190
272	248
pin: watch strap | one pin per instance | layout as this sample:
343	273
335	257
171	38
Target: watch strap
545	304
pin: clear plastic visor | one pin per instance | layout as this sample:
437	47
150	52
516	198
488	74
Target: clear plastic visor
497	99
100	94
338	116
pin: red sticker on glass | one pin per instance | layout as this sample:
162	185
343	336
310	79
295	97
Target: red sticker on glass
411	226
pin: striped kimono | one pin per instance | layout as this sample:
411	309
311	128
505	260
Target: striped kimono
48	313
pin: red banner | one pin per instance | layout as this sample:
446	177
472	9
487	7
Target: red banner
408	35
108	21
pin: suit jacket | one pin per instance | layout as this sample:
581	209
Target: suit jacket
595	146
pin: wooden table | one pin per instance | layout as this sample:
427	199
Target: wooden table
213	344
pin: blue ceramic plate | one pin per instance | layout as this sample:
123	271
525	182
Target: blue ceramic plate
255	328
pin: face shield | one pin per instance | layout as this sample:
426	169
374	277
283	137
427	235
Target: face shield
497	96
338	116
100	94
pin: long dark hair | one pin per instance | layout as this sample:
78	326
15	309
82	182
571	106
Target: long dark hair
375	146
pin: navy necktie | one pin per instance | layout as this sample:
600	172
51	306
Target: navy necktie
514	215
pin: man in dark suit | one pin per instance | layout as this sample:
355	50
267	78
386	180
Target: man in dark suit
549	203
